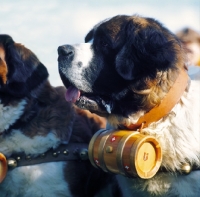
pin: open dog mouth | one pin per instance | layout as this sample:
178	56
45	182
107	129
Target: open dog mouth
89	101
99	104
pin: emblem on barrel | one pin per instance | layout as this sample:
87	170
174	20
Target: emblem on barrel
129	153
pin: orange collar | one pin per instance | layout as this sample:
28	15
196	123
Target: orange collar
166	105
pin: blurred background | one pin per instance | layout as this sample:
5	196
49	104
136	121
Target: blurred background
43	25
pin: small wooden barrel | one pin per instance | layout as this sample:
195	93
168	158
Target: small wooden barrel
3	167
129	153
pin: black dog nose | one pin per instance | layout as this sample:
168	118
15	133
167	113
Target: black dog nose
66	50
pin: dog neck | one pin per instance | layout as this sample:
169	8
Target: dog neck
166	105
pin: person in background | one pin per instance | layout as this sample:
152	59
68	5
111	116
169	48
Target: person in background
191	42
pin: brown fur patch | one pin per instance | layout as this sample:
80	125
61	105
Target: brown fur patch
25	53
143	23
113	28
54	115
3	65
60	117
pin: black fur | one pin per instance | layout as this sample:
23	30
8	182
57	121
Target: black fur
128	52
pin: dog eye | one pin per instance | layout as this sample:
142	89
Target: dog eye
103	43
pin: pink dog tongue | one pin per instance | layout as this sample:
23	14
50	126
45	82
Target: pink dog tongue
72	94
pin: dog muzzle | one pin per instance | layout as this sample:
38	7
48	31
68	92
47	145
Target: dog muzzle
129	153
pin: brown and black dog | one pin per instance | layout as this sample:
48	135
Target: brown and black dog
34	119
125	71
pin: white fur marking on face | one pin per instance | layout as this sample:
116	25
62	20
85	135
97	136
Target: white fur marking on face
9	114
76	71
83	53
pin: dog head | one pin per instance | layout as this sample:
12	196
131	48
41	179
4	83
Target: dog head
126	66
20	70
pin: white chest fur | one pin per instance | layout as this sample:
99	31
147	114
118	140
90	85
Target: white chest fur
9	114
179	135
46	179
36	180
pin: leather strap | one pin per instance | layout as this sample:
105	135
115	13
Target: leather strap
166	105
65	152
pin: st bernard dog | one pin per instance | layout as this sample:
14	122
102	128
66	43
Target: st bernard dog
43	138
132	71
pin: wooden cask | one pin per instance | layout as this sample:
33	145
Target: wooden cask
129	153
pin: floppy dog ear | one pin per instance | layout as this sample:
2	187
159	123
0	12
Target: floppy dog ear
149	47
89	36
125	63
